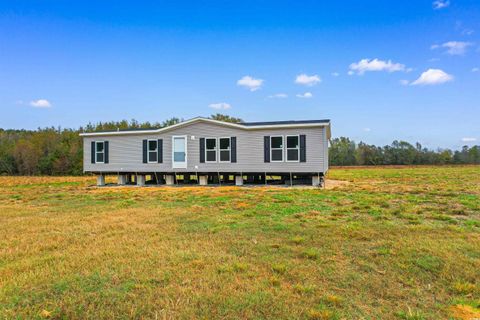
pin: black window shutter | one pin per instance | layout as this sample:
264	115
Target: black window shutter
105	148
303	148
266	149
233	149
160	151
202	150
93	152
145	151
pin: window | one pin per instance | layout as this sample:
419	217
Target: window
211	149
276	148
99	151
224	144
293	148
152	151
179	151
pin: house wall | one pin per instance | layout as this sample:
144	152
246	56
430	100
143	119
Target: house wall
125	151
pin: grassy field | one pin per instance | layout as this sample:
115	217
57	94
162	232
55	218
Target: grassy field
393	243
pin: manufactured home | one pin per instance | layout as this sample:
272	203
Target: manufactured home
204	151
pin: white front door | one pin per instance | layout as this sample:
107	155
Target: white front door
179	152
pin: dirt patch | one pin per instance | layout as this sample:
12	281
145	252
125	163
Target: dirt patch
464	312
332	184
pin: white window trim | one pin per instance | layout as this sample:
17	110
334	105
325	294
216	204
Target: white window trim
283	149
179	165
216	150
229	150
287	148
97	152
148	150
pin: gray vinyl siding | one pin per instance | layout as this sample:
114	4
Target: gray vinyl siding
325	150
125	151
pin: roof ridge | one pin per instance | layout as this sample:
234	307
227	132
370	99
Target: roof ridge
243	125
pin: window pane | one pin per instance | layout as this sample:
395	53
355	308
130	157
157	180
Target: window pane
211	156
292	142
100	157
277	155
277	142
152	145
211	144
179	156
100	146
225	143
292	155
179	144
224	155
152	156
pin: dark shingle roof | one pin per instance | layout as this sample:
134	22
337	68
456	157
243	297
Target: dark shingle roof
266	123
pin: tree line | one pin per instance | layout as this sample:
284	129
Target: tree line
345	152
58	151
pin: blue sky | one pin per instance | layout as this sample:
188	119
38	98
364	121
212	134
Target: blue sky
380	70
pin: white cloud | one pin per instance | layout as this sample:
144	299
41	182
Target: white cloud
440	4
220	106
250	83
307	80
475	69
465	31
433	76
278	96
367	129
454	48
305	95
40	103
404	82
351	73
469	139
335	74
365	65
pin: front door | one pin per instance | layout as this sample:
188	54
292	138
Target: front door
179	156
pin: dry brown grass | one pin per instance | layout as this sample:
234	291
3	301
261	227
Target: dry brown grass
389	244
